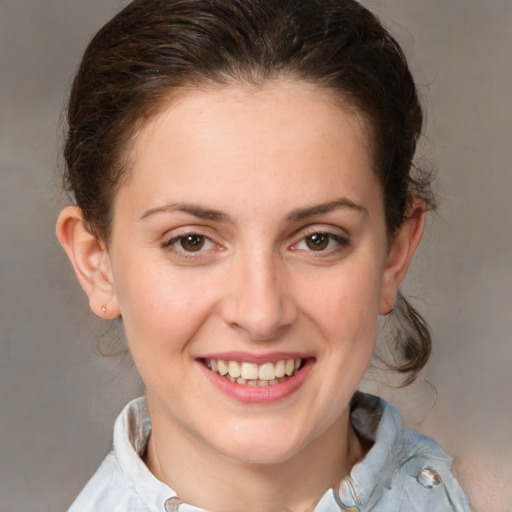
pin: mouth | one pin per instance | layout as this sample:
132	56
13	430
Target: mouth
245	373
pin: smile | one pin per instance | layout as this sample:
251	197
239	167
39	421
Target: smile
251	374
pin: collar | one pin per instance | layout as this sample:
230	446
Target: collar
374	420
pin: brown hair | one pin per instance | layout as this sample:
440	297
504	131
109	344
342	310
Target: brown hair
154	48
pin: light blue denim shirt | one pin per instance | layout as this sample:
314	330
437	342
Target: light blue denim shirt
403	470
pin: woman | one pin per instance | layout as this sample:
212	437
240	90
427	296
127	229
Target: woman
245	202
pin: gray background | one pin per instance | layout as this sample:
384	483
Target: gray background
59	396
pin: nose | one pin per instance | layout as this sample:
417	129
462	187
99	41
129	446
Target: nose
258	300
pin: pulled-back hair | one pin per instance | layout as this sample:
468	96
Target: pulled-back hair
154	49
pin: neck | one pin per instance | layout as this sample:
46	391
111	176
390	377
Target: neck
205	478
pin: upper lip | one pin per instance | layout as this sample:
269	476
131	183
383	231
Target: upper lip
249	357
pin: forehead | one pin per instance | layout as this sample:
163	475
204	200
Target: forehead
267	137
277	100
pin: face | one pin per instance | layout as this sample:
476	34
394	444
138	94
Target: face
249	238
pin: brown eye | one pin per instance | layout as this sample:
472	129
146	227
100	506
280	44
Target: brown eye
192	243
317	241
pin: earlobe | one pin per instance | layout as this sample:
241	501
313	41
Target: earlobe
401	251
90	260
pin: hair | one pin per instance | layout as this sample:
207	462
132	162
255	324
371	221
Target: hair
154	49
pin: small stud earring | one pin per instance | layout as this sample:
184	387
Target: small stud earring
103	309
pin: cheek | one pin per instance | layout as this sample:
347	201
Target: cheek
345	303
162	312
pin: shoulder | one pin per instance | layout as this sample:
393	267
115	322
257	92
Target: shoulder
403	468
107	491
423	478
123	482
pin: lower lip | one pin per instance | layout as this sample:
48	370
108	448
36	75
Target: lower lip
258	394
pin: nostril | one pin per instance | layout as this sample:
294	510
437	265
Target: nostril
259	323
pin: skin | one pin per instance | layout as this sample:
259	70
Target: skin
258	161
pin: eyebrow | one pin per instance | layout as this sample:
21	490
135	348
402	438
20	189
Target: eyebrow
191	209
323	208
296	215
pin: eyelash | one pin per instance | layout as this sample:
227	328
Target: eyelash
340	243
182	252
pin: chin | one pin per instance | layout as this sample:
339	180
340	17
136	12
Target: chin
261	449
262	456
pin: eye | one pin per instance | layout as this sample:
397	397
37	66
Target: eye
190	243
322	242
317	241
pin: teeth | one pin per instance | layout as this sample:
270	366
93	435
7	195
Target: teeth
222	366
289	367
280	371
249	371
267	371
234	369
251	374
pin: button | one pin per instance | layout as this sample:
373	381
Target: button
172	504
428	477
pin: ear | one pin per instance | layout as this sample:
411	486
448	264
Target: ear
90	260
401	250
